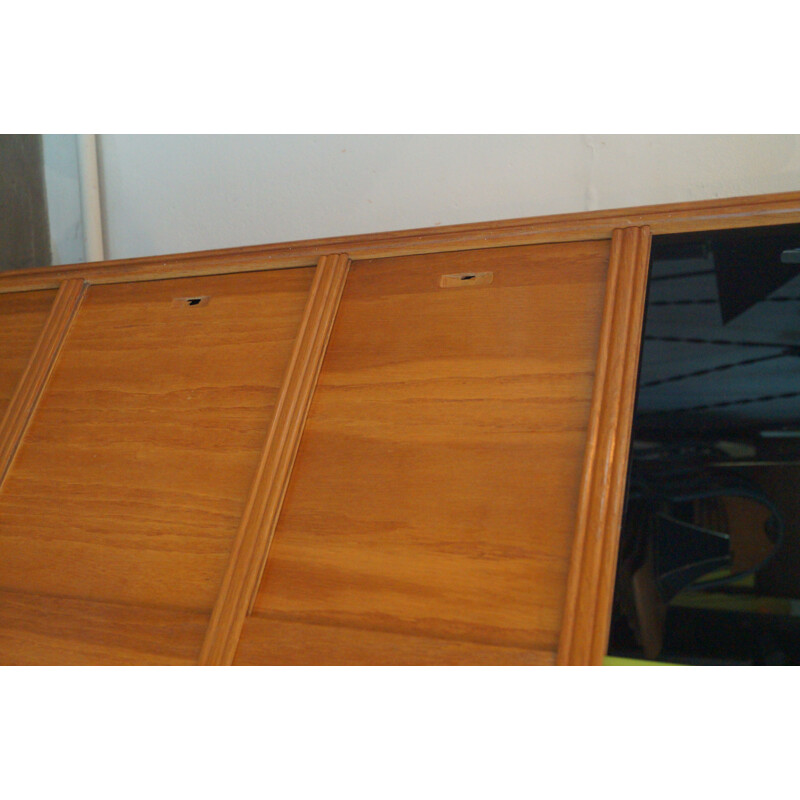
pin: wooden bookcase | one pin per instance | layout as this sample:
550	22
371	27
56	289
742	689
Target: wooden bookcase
401	448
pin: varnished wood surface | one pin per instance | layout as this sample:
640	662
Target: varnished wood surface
286	643
39	630
22	317
22	405
251	546
134	473
734	212
435	491
584	637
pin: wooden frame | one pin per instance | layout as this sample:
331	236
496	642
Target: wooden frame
591	577
590	586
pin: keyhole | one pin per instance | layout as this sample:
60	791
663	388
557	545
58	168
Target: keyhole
184	302
461	278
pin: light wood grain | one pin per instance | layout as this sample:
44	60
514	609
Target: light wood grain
281	642
22	405
584	637
435	491
22	317
134	473
249	553
735	212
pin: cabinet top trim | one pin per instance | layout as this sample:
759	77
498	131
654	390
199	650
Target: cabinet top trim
736	212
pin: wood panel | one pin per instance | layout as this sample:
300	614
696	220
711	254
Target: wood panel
134	473
23	403
733	212
38	629
435	491
250	549
584	637
22	317
288	643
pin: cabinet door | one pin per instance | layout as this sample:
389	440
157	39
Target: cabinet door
118	513
433	503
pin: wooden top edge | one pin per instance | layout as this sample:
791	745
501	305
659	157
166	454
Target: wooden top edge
585	225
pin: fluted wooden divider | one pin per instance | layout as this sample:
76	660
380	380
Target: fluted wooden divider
34	379
251	547
590	587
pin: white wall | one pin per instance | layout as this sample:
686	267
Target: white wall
164	194
63	188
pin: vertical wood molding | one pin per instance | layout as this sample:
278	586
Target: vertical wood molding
250	549
590	585
40	365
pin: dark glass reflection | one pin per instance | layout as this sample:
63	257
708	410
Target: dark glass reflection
709	565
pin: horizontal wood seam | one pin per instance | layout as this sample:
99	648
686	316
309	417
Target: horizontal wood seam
251	547
736	212
593	561
40	365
